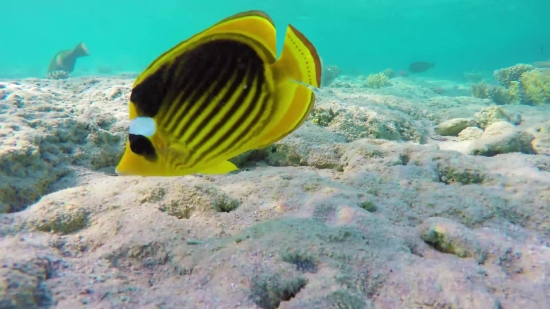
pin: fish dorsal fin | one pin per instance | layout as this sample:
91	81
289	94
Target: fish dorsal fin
254	24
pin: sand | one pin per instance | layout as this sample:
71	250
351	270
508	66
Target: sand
398	197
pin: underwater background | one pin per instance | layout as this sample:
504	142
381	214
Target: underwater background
360	36
408	185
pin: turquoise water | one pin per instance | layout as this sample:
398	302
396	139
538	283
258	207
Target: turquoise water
360	36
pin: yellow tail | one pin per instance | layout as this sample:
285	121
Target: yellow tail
299	64
299	59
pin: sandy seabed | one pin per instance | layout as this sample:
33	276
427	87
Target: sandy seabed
399	197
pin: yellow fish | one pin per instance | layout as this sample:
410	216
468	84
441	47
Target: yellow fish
218	94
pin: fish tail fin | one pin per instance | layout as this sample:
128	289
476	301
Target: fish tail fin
80	50
299	59
298	64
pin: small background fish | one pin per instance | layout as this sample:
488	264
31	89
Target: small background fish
420	66
65	60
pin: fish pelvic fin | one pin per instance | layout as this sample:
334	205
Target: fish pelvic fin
255	25
298	64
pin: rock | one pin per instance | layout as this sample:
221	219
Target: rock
516	119
498	128
470	133
542	142
369	119
23	278
310	145
501	137
448	236
48	131
489	115
355	209
454	126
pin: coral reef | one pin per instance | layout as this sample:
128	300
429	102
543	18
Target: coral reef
361	207
377	80
499	95
480	91
523	84
503	96
507	75
535	87
60	74
389	73
542	64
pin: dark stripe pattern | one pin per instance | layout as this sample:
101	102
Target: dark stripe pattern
216	74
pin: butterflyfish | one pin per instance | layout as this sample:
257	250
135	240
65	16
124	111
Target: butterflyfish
65	60
218	94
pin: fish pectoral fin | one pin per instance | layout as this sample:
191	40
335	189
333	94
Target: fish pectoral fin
299	64
220	168
301	100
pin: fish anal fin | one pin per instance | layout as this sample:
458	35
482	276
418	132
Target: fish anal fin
299	60
300	100
219	168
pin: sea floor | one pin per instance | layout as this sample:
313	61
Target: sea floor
415	195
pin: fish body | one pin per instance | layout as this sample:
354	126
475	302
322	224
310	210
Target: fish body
420	66
218	94
65	60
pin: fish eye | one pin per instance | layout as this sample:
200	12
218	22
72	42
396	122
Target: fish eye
142	146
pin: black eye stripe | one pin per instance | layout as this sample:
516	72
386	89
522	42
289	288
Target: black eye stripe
142	146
